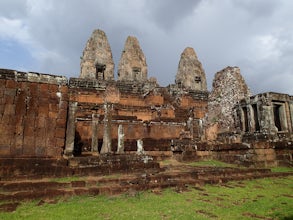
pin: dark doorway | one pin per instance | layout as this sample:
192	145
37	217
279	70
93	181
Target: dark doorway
277	117
100	71
255	114
245	122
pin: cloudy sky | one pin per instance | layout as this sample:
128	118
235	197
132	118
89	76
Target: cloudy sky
48	36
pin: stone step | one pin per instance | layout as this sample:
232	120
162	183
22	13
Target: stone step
44	189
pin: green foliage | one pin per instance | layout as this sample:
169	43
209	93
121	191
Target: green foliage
256	199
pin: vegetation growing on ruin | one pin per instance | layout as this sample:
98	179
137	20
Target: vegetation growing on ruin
257	199
212	163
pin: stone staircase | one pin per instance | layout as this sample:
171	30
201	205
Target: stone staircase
180	177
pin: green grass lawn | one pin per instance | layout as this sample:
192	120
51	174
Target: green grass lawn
270	198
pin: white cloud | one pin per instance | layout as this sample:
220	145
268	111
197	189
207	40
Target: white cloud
257	35
14	29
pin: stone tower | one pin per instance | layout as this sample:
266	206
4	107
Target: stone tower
190	74
229	87
97	60
132	65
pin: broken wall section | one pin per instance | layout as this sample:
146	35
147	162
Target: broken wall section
33	114
156	115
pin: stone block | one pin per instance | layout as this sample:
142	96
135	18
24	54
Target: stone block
43	111
63	105
43	100
11	84
60	142
60	133
54	100
9	99
18	140
61	122
40	122
54	107
29	131
53	88
50	142
43	88
53	115
9	109
62	113
28	149
10	92
39	142
4	150
29	121
40	151
29	141
33	89
63	89
1	109
16	150
7	129
2	83
54	152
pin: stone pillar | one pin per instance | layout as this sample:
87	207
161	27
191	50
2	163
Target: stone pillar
291	114
268	124
140	149
95	123
120	147
190	126
107	137
70	131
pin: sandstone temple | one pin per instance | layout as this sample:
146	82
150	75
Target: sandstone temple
94	119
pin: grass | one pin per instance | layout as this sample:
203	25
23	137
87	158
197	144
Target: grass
282	169
66	179
256	199
212	163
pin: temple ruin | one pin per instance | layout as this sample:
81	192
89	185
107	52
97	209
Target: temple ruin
95	120
190	74
132	65
97	60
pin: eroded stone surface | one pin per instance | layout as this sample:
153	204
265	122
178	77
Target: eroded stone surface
132	65
190	72
229	87
97	60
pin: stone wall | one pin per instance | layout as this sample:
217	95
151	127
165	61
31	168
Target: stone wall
154	114
270	114
229	87
33	113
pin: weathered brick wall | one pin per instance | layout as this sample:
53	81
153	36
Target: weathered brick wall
33	114
149	114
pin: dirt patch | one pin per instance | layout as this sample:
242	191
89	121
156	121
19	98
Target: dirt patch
9	207
47	201
254	216
208	214
287	195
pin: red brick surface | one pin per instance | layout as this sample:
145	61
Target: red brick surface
32	118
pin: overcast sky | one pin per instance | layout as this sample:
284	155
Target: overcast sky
48	36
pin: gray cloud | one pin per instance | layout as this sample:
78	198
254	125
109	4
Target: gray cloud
255	35
258	8
167	13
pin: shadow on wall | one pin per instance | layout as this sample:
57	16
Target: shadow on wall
77	144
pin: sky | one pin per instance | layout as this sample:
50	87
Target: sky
48	36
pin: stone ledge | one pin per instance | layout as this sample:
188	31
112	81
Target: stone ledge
19	76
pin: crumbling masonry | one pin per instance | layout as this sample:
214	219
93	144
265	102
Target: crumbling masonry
47	116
